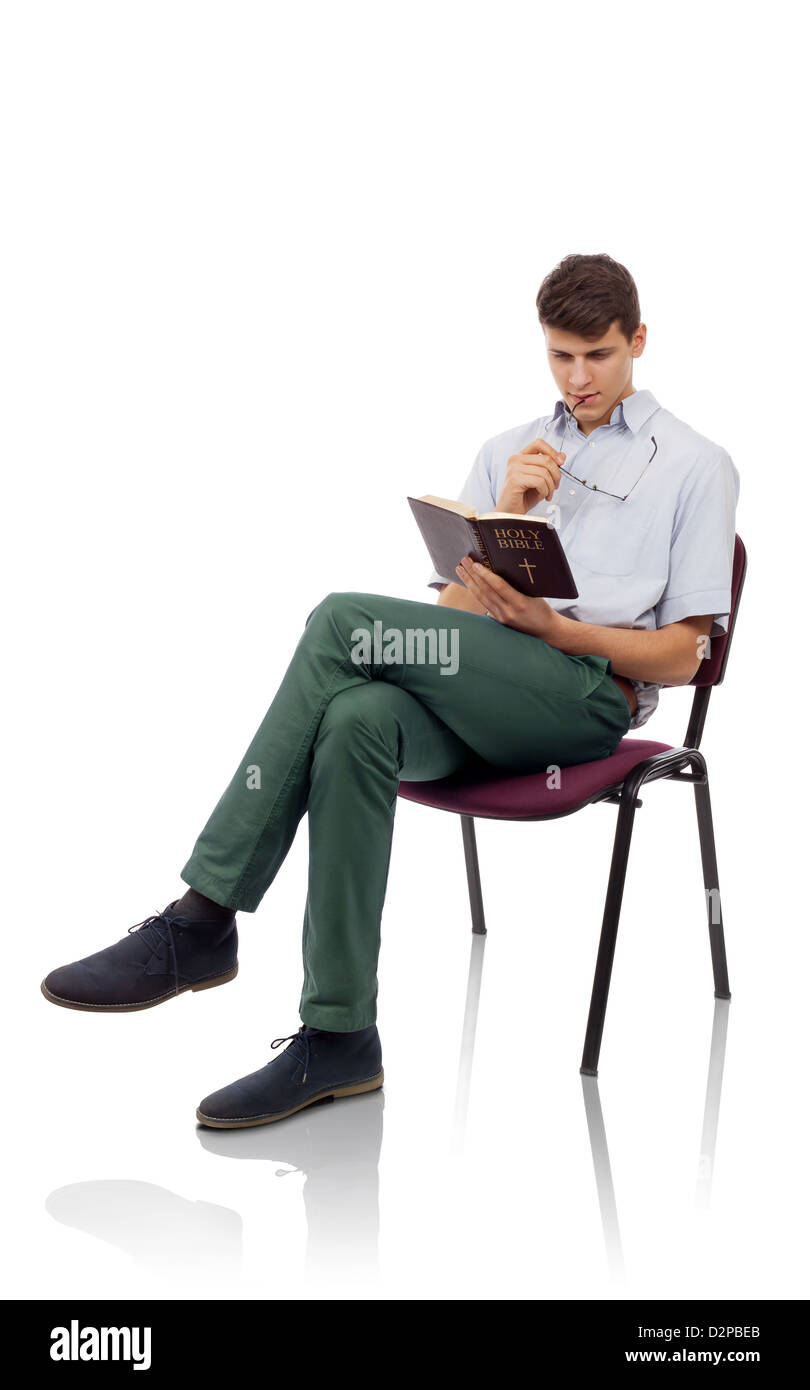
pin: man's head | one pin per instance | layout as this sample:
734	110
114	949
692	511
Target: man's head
589	311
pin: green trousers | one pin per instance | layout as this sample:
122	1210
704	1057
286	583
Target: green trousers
356	712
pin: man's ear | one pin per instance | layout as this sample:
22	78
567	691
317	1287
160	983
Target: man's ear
639	340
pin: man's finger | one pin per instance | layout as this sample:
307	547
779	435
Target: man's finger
539	463
548	468
540	446
544	477
483	592
490	580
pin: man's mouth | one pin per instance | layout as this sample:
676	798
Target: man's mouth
581	399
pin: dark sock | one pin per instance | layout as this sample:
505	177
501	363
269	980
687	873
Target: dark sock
199	909
328	1033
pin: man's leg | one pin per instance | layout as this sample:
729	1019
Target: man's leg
510	699
516	702
493	695
336	741
369	738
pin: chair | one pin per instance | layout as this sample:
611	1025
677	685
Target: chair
617	781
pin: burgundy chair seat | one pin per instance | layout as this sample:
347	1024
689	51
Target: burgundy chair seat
506	796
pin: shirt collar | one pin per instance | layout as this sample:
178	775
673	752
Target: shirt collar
633	412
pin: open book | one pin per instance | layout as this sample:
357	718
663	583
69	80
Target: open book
523	550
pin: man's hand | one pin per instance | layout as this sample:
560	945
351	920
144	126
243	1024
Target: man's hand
512	608
456	596
668	655
531	475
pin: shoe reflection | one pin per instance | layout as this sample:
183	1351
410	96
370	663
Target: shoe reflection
337	1148
159	1228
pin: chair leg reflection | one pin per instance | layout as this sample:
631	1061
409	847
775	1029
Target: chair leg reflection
708	1143
711	1109
593	1109
465	1063
604	1177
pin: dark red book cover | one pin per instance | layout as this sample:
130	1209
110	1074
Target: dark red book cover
523	550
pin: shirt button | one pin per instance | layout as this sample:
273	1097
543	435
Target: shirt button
571	492
591	444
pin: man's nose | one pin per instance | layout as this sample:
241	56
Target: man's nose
580	376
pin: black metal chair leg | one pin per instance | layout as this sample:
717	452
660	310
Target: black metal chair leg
607	940
711	884
473	875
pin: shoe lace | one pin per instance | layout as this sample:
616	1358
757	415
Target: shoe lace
304	1036
157	930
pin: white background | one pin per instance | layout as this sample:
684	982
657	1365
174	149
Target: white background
267	269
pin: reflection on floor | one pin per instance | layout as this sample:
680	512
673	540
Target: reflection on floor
337	1147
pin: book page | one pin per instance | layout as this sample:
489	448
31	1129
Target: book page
448	504
515	516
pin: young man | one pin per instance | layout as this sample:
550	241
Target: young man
645	508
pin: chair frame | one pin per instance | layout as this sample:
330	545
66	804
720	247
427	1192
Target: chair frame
685	764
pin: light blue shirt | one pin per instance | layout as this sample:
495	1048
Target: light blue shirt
664	554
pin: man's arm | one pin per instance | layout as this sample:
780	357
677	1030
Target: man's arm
456	596
668	655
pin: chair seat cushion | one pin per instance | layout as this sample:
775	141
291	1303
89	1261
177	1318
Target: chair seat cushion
504	796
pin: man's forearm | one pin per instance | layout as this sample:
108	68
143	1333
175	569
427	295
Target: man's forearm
669	655
456	596
661	654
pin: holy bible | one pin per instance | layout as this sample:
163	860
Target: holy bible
523	550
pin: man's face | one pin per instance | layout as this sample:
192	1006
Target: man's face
592	377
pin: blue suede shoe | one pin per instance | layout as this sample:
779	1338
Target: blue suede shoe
317	1066
167	955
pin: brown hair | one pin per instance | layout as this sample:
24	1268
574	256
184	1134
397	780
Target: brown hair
585	294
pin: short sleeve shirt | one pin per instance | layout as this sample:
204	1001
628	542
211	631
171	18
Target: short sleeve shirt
663	554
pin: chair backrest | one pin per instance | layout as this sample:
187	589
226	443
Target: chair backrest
713	667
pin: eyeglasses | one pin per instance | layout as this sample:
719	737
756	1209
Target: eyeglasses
592	486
